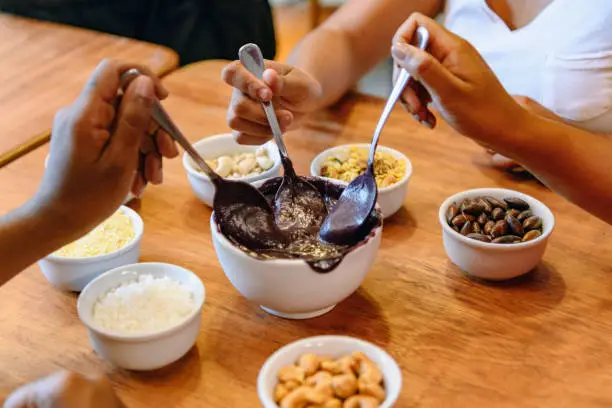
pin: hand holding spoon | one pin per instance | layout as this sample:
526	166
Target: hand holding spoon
241	211
297	204
346	220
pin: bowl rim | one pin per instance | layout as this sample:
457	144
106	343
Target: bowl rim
489	245
139	268
264	371
137	224
249	179
288	262
394	152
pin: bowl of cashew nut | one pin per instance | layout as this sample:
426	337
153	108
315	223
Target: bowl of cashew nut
329	372
232	161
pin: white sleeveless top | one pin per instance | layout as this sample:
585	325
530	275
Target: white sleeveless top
562	59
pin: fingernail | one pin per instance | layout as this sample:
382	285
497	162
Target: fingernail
410	108
398	52
426	124
144	86
407	56
264	94
285	120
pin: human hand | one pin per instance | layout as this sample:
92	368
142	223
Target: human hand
293	92
415	99
462	87
65	390
96	144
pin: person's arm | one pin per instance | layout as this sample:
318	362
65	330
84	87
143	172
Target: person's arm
28	234
93	162
573	162
329	60
352	41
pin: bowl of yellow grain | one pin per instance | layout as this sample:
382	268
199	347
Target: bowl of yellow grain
392	171
113	243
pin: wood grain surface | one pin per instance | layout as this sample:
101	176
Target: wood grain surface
543	340
45	65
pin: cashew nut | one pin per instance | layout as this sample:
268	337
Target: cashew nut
264	162
309	363
368	372
291	373
292	385
246	165
373	390
332	403
321	381
344	385
224	166
280	392
344	365
302	397
361	401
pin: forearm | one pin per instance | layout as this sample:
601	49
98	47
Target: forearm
326	63
28	234
352	41
573	162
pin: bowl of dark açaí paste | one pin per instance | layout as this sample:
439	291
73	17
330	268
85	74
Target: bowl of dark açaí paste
303	277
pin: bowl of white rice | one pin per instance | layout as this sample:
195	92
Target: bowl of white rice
143	316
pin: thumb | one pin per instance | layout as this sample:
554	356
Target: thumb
275	81
133	118
425	68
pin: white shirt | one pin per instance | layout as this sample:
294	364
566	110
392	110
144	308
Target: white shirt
562	59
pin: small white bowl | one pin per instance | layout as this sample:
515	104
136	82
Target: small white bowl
127	199
290	288
218	145
390	198
72	274
142	352
335	347
495	261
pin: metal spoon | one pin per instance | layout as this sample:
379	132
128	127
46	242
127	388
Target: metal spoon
241	211
346	220
297	204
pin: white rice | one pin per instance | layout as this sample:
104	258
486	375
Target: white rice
145	305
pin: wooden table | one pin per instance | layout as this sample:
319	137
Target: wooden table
539	341
45	65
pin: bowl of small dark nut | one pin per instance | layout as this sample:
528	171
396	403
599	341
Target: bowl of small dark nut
494	233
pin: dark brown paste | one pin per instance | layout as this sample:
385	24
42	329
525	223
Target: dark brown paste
304	243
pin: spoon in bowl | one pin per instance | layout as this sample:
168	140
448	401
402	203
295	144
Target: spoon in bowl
347	219
241	211
298	204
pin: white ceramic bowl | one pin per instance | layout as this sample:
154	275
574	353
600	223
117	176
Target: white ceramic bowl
218	145
142	352
72	274
127	199
335	347
390	198
290	288
495	261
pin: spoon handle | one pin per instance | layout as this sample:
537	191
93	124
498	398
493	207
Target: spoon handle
422	38
251	57
162	118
